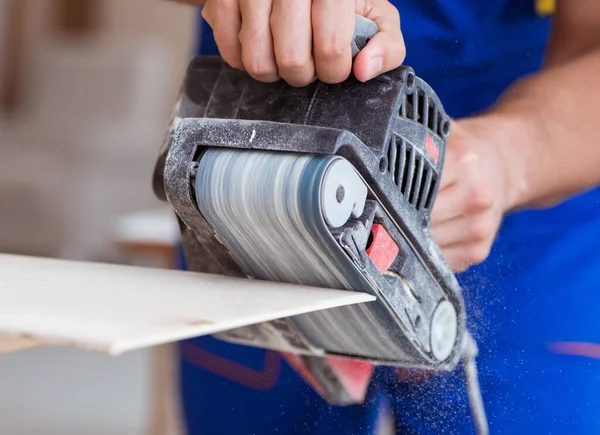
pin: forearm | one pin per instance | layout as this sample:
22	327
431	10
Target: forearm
548	128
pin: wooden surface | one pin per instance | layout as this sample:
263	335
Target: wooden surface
166	416
12	344
114	309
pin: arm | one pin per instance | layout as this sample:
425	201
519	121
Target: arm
556	112
537	146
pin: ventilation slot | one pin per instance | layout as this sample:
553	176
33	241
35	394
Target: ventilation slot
425	181
399	163
421	108
409	167
430	190
392	155
411	173
409	107
432	117
416	181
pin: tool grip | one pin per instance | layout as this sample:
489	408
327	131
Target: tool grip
364	30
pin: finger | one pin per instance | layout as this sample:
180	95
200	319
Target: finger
461	257
475	228
468	193
449	204
224	18
456	259
386	50
292	41
333	28
256	39
468	198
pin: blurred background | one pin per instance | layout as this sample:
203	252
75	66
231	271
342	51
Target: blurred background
86	92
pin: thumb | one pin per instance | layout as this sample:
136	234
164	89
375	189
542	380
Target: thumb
386	50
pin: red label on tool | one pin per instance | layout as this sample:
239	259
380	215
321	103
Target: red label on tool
354	375
431	149
383	249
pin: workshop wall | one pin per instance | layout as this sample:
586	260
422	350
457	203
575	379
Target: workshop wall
86	91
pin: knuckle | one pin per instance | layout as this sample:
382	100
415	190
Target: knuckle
294	62
480	197
332	49
467	157
260	68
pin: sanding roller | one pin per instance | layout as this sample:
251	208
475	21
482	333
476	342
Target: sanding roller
324	185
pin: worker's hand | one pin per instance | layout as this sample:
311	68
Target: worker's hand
473	195
302	40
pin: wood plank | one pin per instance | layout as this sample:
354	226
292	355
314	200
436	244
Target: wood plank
114	308
165	418
12	344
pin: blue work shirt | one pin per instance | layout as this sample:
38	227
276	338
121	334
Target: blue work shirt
533	305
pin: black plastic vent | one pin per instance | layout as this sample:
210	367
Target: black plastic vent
411	172
417	106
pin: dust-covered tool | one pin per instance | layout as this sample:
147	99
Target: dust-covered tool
325	185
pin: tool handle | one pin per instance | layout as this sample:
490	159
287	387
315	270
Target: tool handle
364	30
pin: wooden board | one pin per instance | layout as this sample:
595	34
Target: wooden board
13	344
113	308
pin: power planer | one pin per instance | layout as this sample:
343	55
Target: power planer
324	185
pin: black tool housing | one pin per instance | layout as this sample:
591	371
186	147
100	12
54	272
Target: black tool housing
393	129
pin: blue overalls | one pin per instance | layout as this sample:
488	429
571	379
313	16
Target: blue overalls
533	305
